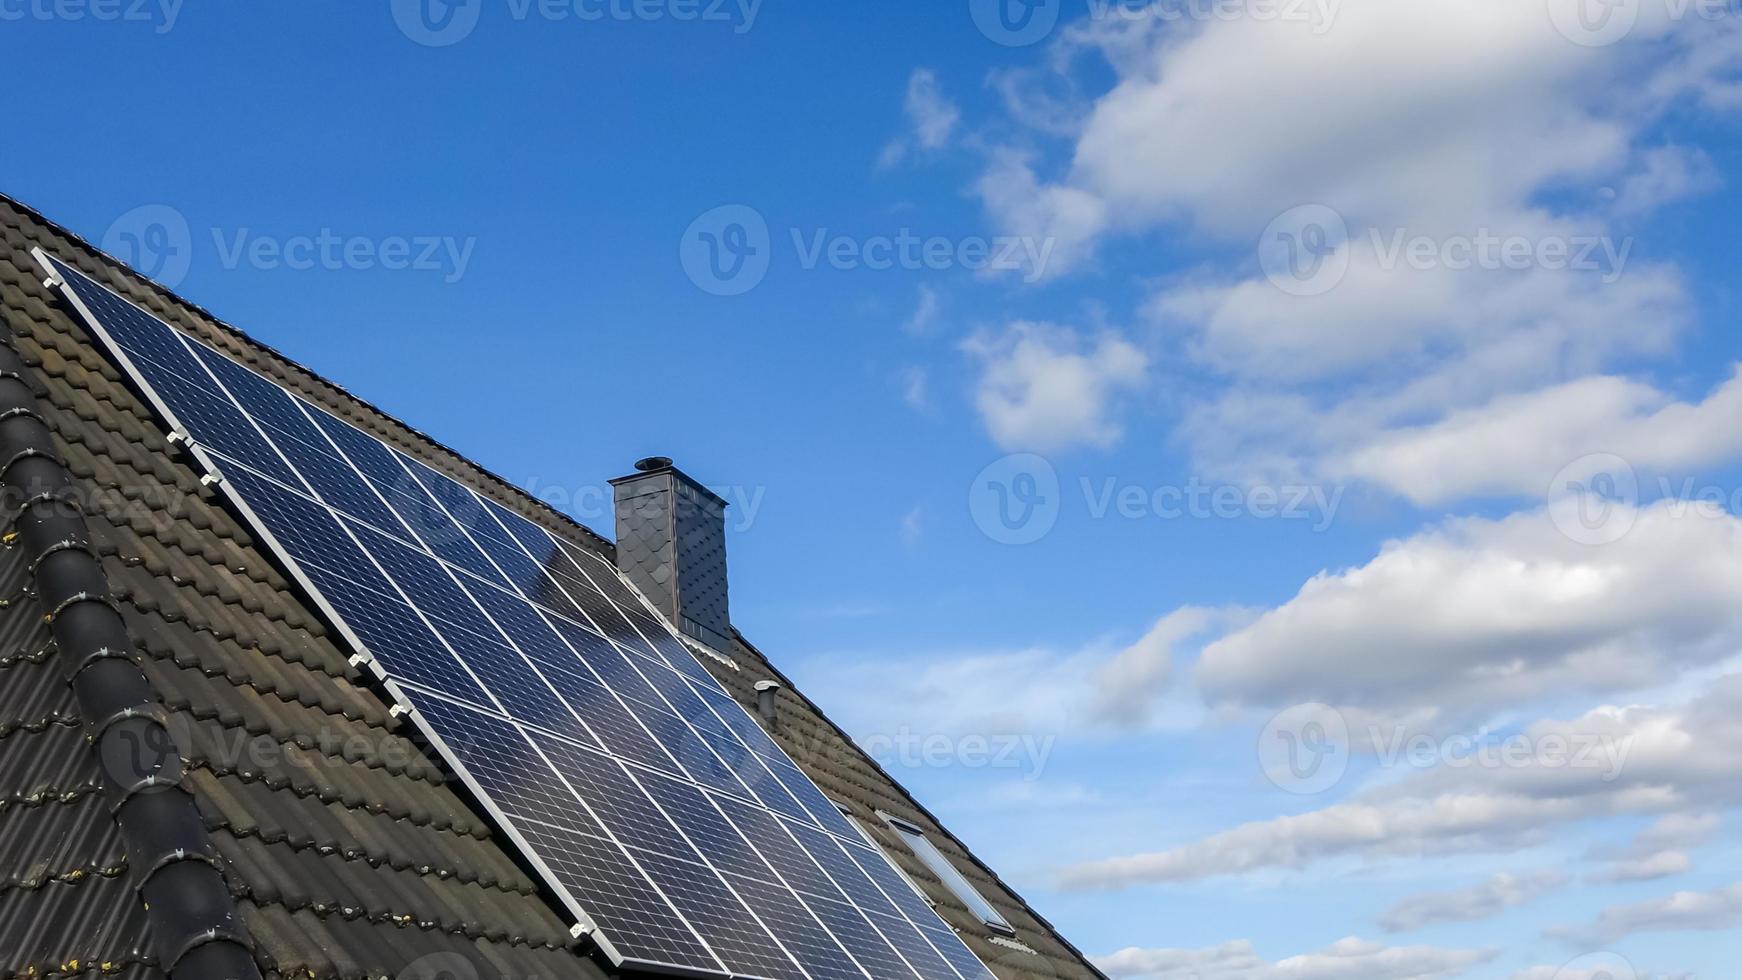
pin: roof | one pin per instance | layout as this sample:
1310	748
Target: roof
346	852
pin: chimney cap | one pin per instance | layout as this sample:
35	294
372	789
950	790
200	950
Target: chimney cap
659	465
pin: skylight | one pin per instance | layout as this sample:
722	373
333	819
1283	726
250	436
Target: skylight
947	873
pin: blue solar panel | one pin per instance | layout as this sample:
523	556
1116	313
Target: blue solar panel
661	814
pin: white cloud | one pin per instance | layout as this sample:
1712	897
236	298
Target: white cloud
931	115
1683	911
1663	864
1042	387
1066	219
1467	618
1406	112
1517	443
1472	904
1665	175
1182	964
1598	966
1104	687
1033	690
915	387
1127	684
1392	320
925	314
1660	851
1347	959
1409	118
912	528
1643	760
1392	829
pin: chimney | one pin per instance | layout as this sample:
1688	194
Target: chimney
671	544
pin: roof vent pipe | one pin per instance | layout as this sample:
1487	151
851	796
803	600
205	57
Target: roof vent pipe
765	703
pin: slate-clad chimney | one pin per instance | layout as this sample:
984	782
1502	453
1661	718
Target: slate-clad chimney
671	543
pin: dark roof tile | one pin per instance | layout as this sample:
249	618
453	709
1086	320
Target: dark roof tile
71	927
37	767
60	842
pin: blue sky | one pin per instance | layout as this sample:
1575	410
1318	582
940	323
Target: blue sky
1361	378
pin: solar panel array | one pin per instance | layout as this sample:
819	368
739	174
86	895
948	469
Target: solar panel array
675	830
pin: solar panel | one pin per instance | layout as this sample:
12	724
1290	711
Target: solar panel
675	831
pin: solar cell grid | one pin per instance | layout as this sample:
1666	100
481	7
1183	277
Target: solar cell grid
913	947
738	936
655	807
818	952
960	957
870	949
